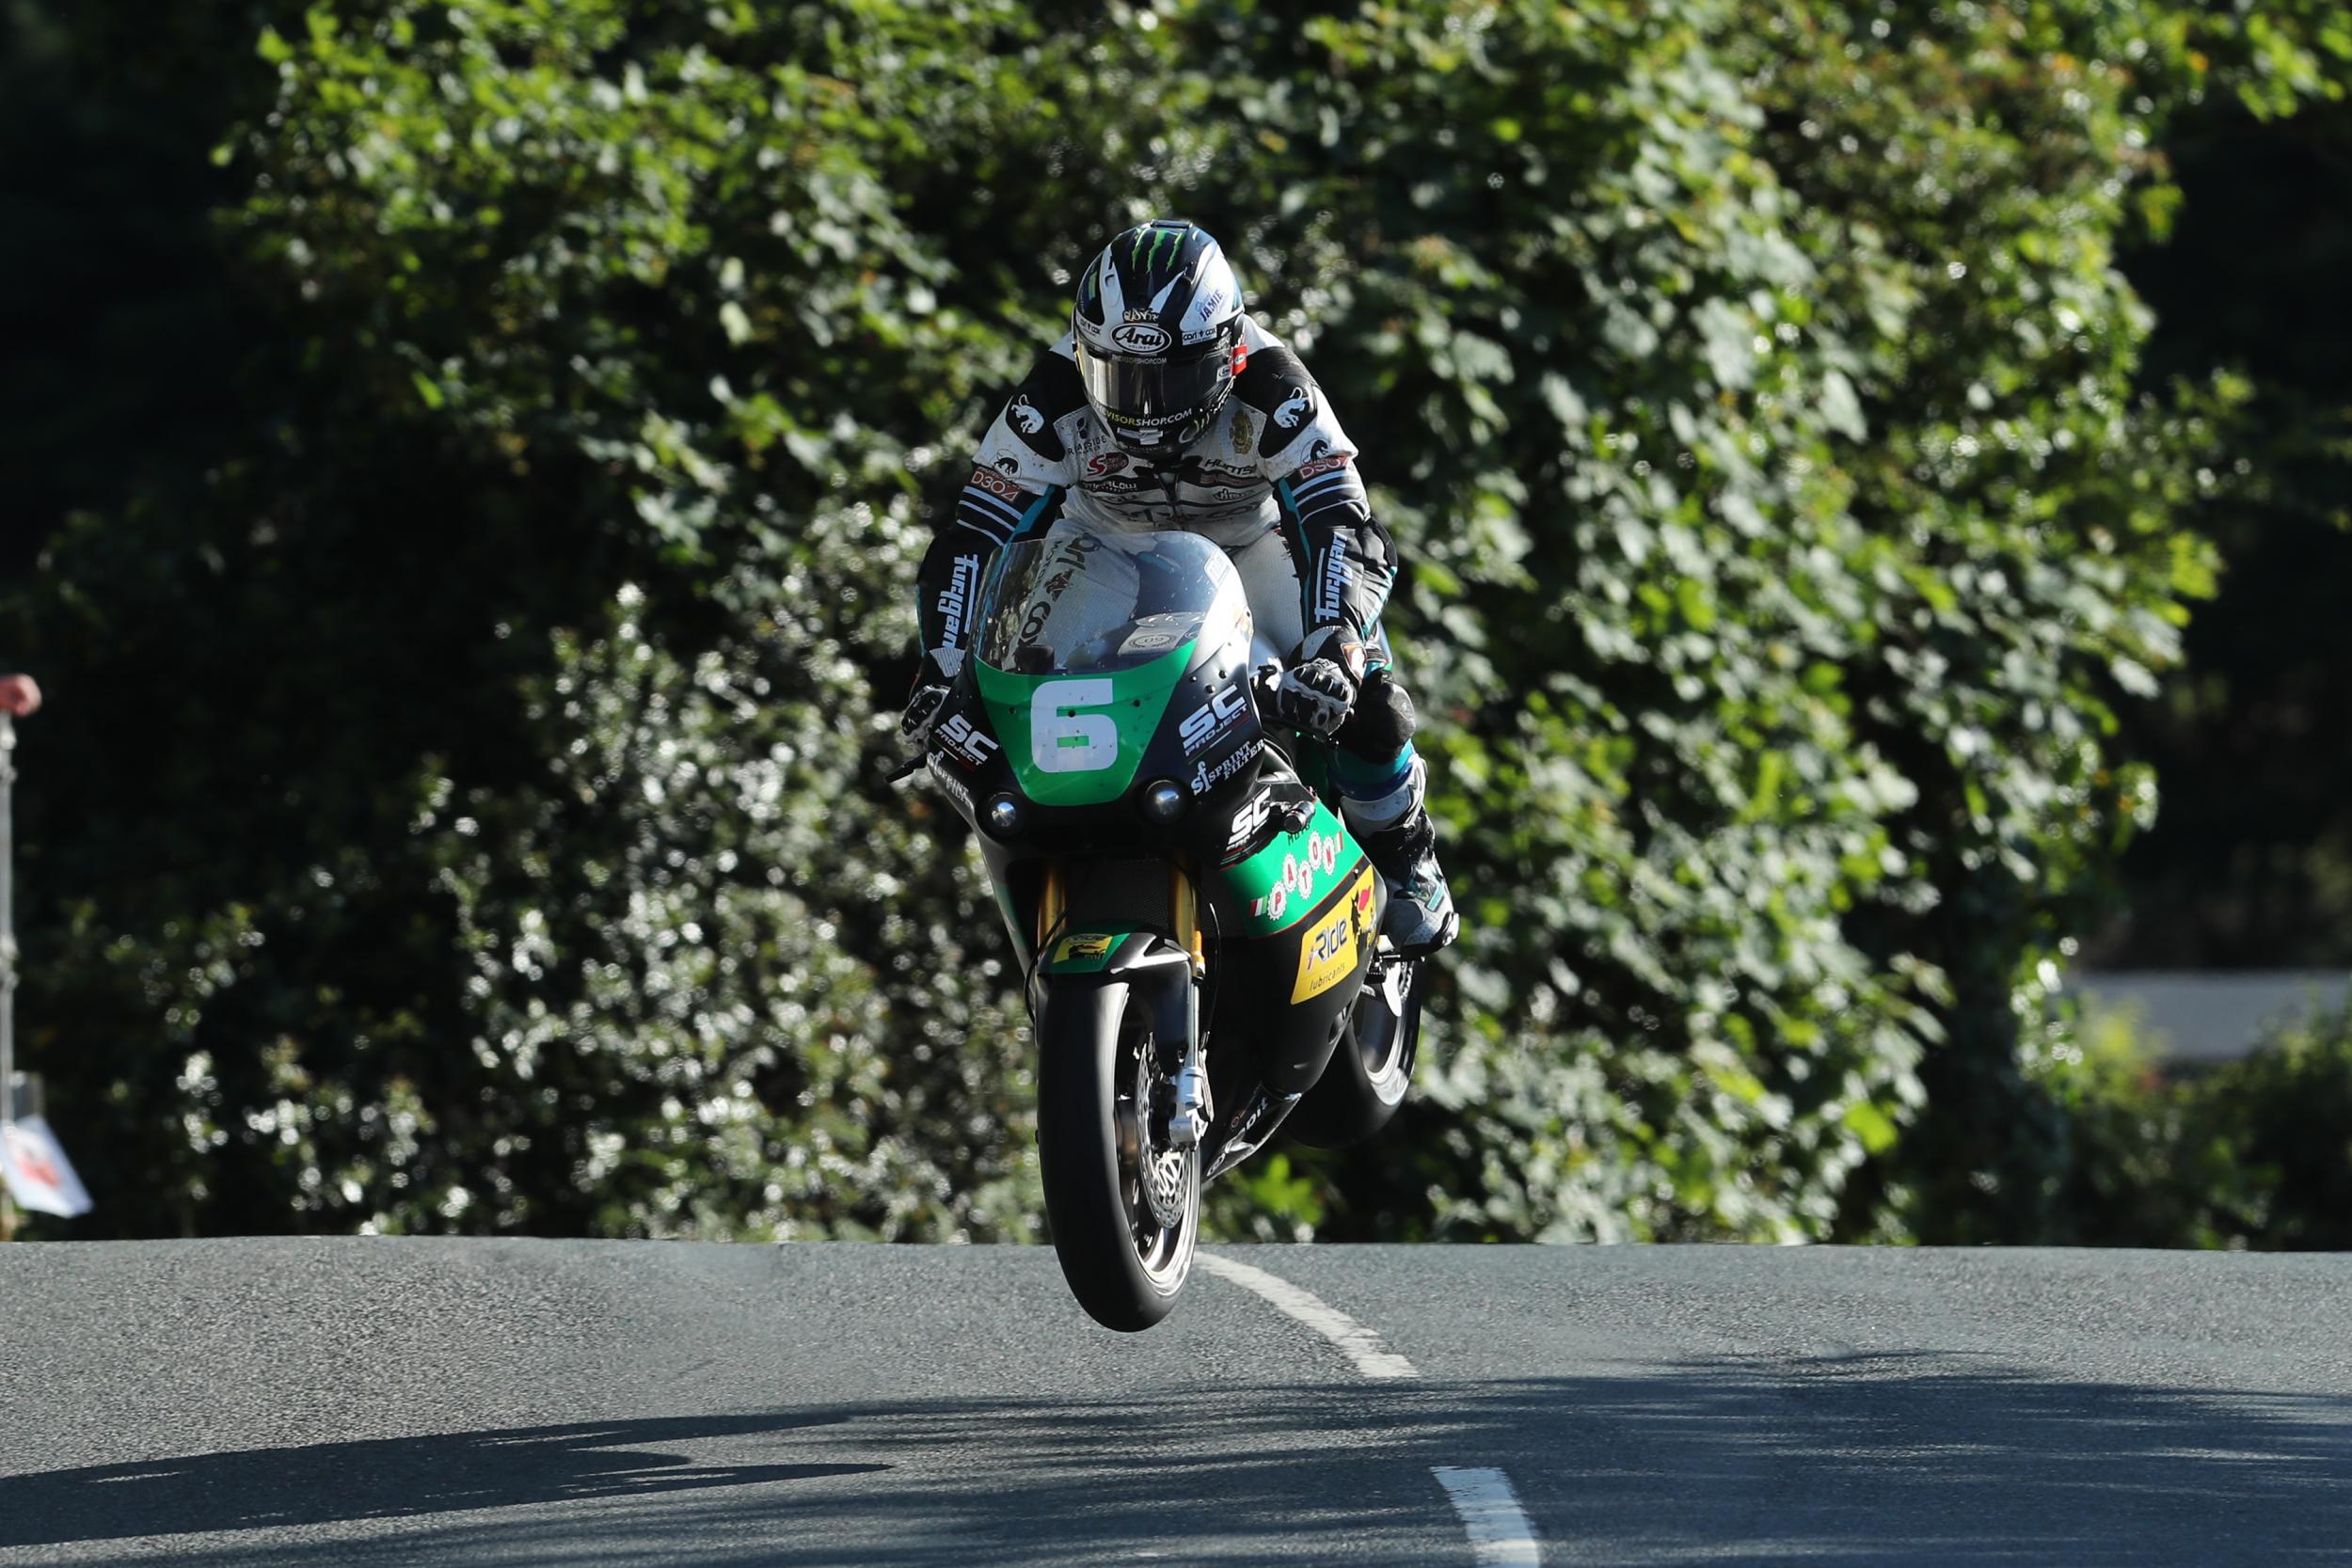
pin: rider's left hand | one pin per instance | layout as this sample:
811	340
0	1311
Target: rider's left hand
1317	690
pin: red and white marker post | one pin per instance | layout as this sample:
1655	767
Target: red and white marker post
34	1170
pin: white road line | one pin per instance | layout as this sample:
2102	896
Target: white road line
1501	1535
1356	1343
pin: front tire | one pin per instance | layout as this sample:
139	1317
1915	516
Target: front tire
1125	1250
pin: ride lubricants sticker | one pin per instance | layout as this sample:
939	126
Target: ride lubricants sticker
1092	946
1328	951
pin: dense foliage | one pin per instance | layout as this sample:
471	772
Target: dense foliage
2255	1152
461	805
2250	864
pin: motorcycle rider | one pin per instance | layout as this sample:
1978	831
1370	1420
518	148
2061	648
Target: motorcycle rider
1166	406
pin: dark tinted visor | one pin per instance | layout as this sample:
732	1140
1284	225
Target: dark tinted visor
1153	391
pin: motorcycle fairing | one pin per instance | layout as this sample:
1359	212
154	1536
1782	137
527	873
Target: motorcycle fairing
1102	723
1289	880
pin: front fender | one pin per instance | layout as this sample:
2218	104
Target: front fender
1155	969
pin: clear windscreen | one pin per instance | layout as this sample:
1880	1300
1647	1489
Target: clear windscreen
1079	601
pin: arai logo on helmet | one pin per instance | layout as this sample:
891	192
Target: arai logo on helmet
1140	338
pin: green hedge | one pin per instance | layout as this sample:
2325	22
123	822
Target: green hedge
500	841
2252	1153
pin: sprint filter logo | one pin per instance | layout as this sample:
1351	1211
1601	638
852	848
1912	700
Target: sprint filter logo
1328	953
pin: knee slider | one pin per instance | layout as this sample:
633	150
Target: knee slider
1381	724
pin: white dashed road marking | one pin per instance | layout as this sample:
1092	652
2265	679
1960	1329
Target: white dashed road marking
1356	1343
1500	1535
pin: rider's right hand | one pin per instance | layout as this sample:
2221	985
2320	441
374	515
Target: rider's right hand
933	683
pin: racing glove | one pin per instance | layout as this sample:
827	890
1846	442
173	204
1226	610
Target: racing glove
933	682
1318	688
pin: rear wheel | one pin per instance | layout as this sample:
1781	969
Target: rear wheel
1371	1068
1125	1208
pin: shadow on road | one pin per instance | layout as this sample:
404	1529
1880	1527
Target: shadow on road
386	1479
1917	1460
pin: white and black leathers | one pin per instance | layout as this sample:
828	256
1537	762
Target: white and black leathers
1272	481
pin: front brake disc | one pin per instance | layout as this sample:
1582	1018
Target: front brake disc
1163	1186
1159	1170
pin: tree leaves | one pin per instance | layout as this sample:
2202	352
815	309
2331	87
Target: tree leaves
1750	388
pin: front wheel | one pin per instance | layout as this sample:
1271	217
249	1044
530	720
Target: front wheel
1124	1206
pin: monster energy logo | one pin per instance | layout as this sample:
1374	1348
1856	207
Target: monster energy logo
1146	248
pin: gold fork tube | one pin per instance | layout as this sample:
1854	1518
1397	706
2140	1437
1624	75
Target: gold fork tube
1185	908
1051	901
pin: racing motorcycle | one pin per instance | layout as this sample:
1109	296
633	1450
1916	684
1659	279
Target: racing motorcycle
1197	929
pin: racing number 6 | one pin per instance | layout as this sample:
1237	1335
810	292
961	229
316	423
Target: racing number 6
1063	742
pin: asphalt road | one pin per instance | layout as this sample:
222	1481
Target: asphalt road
378	1402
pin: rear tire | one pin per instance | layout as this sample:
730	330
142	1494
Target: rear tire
1095	1140
1371	1068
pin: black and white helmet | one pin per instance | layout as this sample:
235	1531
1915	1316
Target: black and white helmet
1154	331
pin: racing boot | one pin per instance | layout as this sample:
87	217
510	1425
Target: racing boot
1402	843
1420	918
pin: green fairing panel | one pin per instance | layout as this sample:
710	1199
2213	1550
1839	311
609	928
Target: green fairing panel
1282	883
1096	729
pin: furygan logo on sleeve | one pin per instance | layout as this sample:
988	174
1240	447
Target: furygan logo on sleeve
956	596
1332	585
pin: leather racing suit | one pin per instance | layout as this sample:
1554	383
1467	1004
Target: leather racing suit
1272	482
